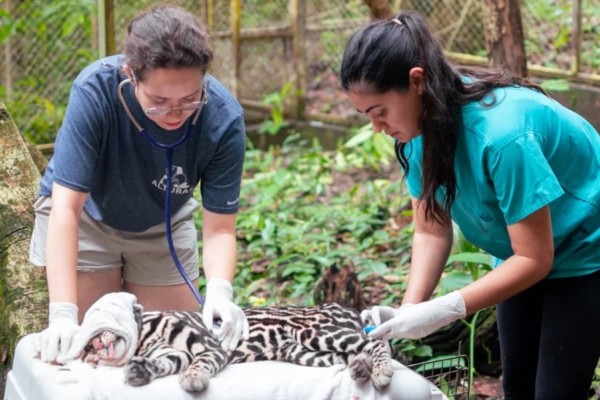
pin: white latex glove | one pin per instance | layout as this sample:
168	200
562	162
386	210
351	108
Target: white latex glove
380	314
218	304
421	319
55	341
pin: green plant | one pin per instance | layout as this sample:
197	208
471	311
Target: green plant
296	220
374	149
277	121
467	265
555	85
51	40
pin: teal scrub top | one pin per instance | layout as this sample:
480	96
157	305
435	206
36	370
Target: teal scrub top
522	153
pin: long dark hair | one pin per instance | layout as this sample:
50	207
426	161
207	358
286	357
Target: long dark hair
380	56
166	37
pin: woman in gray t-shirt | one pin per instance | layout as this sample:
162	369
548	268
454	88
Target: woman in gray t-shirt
100	219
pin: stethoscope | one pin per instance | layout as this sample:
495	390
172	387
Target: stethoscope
168	149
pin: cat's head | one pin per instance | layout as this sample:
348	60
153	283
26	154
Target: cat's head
106	348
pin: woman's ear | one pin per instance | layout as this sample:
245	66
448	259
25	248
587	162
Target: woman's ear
416	78
127	71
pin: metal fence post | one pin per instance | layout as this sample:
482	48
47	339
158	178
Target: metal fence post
297	15
576	38
106	28
236	48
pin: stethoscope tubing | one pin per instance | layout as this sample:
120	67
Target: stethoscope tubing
168	149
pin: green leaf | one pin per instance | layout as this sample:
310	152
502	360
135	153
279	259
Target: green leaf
562	37
384	145
298	268
442	362
326	262
455	280
556	85
268	230
359	138
423	351
277	116
285	90
253	286
477	258
379	268
464	246
272	98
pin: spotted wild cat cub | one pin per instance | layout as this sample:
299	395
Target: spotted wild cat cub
178	342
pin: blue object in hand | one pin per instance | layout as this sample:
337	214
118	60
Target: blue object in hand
368	329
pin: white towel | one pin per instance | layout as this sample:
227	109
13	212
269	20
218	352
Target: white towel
262	380
118	313
265	380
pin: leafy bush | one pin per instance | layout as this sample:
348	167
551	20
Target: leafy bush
300	213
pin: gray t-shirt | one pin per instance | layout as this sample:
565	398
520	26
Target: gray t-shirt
100	151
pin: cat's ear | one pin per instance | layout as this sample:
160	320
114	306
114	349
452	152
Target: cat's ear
137	313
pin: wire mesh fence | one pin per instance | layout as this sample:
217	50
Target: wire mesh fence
42	52
449	374
46	43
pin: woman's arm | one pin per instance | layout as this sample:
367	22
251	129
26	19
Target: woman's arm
219	259
533	246
432	243
219	255
62	244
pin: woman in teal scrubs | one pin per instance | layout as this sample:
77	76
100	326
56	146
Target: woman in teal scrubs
518	173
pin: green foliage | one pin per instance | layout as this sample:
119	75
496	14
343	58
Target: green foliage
291	225
441	362
555	85
371	148
277	121
41	127
9	26
467	264
49	38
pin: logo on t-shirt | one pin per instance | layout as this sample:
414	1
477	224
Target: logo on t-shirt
179	184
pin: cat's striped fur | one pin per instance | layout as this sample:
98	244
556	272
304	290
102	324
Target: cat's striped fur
178	342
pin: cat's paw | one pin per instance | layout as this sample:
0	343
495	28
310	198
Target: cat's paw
382	375
138	371
193	379
360	367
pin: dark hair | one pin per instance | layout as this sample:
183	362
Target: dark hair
166	37
380	56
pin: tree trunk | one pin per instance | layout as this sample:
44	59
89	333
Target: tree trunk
23	290
39	159
504	38
380	9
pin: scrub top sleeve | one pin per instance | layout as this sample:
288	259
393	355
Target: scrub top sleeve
78	142
221	181
522	177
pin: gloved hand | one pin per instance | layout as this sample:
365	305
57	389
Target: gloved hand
218	304
54	342
421	319
380	314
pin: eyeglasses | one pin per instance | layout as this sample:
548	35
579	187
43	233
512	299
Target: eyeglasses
195	105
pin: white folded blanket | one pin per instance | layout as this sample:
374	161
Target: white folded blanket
263	380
